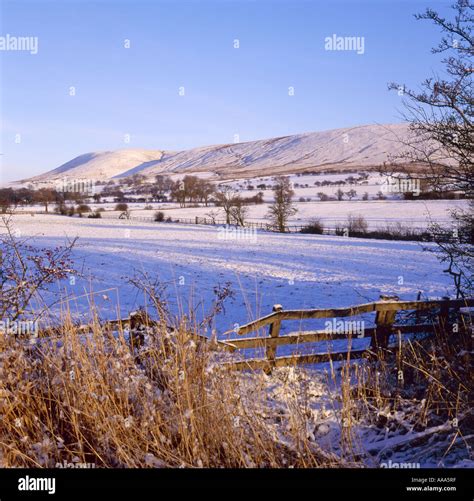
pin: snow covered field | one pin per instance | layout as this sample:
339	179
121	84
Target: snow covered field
297	271
307	190
377	213
416	213
309	185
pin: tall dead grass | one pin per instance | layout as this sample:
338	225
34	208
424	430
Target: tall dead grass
160	397
419	395
98	400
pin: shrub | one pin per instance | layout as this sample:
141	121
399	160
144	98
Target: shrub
159	217
341	230
83	208
323	197
95	215
121	207
314	227
356	224
65	210
396	231
61	209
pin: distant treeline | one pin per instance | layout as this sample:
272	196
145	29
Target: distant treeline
187	191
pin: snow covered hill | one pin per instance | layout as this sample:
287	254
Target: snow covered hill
347	149
100	165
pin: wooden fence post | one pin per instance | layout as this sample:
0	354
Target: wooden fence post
443	317
418	316
458	320
274	332
384	320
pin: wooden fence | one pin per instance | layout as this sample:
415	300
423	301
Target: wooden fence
270	325
417	233
385	312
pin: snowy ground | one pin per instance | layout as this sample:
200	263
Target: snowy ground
378	214
392	441
304	185
297	271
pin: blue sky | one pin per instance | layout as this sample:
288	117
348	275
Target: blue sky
227	91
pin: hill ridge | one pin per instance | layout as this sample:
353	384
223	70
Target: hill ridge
356	147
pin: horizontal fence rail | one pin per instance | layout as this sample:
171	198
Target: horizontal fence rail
132	325
385	311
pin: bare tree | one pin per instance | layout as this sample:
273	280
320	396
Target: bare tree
206	190
455	249
441	146
178	193
339	194
192	189
6	196
238	212
137	179
212	215
163	184
45	196
282	208
441	114
226	197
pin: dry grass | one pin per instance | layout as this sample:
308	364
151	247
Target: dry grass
421	392
98	400
162	399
